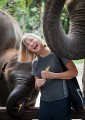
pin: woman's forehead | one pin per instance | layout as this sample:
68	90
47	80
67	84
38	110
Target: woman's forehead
30	37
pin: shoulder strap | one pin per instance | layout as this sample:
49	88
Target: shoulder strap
74	79
62	64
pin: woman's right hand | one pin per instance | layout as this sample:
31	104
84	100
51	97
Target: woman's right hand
40	82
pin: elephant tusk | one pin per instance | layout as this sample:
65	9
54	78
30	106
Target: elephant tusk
20	106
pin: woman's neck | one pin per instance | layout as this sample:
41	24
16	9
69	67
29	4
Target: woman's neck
44	52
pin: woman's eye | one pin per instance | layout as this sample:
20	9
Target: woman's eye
31	40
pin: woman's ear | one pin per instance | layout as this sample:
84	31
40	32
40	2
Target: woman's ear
44	45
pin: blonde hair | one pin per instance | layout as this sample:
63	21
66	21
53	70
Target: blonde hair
25	54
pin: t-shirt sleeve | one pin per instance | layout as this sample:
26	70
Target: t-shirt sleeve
34	68
64	60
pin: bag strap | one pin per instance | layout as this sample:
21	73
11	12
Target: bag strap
74	79
62	64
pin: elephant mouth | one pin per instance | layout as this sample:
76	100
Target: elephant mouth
21	105
17	100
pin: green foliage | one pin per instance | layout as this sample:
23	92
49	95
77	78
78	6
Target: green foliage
65	19
79	61
2	3
29	14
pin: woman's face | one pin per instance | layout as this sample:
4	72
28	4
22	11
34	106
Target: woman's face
33	44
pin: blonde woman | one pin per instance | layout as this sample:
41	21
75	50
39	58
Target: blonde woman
54	102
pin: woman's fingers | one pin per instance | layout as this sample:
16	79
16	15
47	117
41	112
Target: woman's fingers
40	82
43	74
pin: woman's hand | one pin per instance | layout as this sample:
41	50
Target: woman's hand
66	75
40	82
47	75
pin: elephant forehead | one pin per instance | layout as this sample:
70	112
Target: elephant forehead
20	75
23	67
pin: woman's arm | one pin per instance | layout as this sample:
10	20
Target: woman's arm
70	73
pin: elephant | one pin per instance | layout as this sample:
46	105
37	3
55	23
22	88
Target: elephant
10	33
10	37
19	84
71	45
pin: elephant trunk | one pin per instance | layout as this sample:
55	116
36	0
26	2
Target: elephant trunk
17	94
70	46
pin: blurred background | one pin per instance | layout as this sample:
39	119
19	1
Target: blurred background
29	14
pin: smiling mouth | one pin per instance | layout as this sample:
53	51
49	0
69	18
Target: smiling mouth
35	47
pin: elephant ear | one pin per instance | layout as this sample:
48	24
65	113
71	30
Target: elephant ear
3	69
3	84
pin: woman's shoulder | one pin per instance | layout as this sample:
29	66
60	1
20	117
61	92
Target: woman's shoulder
64	60
35	60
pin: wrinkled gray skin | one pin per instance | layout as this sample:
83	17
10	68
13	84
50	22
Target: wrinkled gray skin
22	84
10	33
16	85
71	46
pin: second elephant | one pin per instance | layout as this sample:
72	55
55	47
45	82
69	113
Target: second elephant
19	85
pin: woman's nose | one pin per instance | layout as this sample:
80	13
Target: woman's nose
31	43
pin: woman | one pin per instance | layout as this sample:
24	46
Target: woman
54	102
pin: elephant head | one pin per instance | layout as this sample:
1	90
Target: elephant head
71	46
21	85
15	77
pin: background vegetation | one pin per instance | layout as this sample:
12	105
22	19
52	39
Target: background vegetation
29	14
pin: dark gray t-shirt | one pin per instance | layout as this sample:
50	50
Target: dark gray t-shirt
53	89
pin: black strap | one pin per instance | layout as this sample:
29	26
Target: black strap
62	64
74	79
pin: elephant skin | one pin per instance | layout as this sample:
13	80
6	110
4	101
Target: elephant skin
10	33
71	46
19	85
